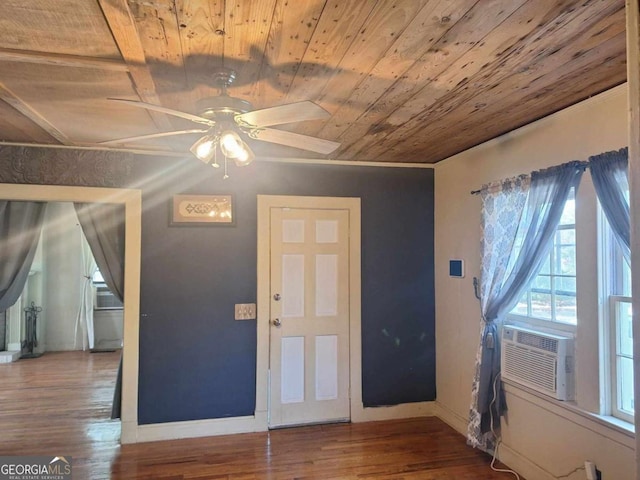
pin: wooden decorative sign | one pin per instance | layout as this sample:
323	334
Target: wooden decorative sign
202	210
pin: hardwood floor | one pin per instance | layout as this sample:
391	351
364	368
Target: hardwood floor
413	449
60	403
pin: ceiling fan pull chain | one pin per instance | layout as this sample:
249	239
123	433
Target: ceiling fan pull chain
225	168
215	157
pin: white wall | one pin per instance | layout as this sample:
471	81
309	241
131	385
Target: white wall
541	439
62	262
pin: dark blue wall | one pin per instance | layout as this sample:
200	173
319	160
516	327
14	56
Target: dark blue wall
197	362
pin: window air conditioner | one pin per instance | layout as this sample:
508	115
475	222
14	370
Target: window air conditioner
538	360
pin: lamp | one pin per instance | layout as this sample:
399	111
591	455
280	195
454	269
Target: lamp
231	145
245	157
204	149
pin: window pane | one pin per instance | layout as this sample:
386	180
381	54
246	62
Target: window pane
566	237
566	261
546	266
566	309
97	277
566	285
625	333
521	307
541	305
551	294
542	284
625	376
626	277
569	213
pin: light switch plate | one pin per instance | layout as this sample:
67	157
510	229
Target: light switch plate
245	311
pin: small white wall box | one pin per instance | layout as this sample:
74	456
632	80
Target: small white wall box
456	268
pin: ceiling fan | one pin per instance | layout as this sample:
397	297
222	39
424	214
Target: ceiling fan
229	120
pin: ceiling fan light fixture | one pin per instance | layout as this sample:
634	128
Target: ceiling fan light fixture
205	148
245	157
231	144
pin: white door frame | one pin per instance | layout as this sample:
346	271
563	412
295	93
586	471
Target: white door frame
132	200
265	204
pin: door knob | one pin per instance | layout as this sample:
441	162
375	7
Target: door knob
277	322
277	297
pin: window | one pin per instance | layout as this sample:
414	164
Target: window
618	325
97	277
552	294
622	404
596	310
104	298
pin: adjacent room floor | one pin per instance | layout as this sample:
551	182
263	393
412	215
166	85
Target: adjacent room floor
60	404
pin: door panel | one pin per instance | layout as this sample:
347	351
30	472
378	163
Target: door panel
292	286
309	341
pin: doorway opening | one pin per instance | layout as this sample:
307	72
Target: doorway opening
131	199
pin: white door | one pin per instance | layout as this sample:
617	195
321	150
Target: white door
309	329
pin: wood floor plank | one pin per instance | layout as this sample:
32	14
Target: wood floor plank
59	404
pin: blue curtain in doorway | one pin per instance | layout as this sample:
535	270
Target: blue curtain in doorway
103	225
20	228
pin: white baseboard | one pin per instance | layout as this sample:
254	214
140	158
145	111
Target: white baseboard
257	423
108	345
394	412
61	347
196	428
522	465
506	455
14	347
128	432
451	418
9	356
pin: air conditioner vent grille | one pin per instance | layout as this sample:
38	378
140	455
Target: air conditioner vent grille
538	341
531	367
538	360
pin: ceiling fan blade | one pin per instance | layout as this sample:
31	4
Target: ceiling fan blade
305	142
152	135
168	111
292	112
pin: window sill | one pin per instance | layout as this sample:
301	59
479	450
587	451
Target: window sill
606	425
616	423
541	325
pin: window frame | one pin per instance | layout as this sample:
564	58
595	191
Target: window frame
615	383
612	292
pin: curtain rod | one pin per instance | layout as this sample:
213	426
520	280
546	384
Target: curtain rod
582	163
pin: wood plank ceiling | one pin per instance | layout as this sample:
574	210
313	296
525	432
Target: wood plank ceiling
403	80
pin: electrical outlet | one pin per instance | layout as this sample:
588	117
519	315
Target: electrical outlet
245	311
590	469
